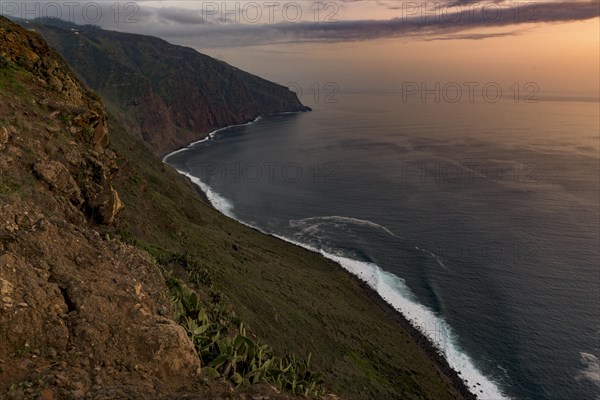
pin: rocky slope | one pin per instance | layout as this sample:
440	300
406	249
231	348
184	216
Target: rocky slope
79	314
168	95
82	313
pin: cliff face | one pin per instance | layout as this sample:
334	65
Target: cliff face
85	315
169	95
79	313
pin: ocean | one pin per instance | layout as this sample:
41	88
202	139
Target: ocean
479	221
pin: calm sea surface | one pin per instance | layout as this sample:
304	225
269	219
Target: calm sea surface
479	221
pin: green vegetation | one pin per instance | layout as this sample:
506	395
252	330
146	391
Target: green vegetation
89	132
23	350
9	78
8	186
294	300
220	338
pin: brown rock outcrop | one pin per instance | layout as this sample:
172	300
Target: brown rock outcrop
110	206
58	177
80	315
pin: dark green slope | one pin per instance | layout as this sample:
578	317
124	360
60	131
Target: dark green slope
295	300
168	95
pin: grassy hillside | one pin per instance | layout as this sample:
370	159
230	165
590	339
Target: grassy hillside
295	300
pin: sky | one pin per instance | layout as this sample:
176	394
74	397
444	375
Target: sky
356	45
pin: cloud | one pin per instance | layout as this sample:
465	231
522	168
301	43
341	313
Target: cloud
442	20
474	36
445	24
180	16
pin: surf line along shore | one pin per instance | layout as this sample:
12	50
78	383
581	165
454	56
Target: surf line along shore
426	345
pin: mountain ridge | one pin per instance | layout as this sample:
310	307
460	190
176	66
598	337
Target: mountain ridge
168	95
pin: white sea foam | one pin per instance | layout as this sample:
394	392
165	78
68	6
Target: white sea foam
394	291
346	220
219	202
210	136
591	370
435	257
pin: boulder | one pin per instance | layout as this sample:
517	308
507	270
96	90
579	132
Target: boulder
58	177
93	124
100	137
111	206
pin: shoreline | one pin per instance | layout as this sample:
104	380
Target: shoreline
208	137
212	133
429	348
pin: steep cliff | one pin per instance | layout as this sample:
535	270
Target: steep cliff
169	95
79	313
83	314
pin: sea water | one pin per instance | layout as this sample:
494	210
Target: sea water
478	221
